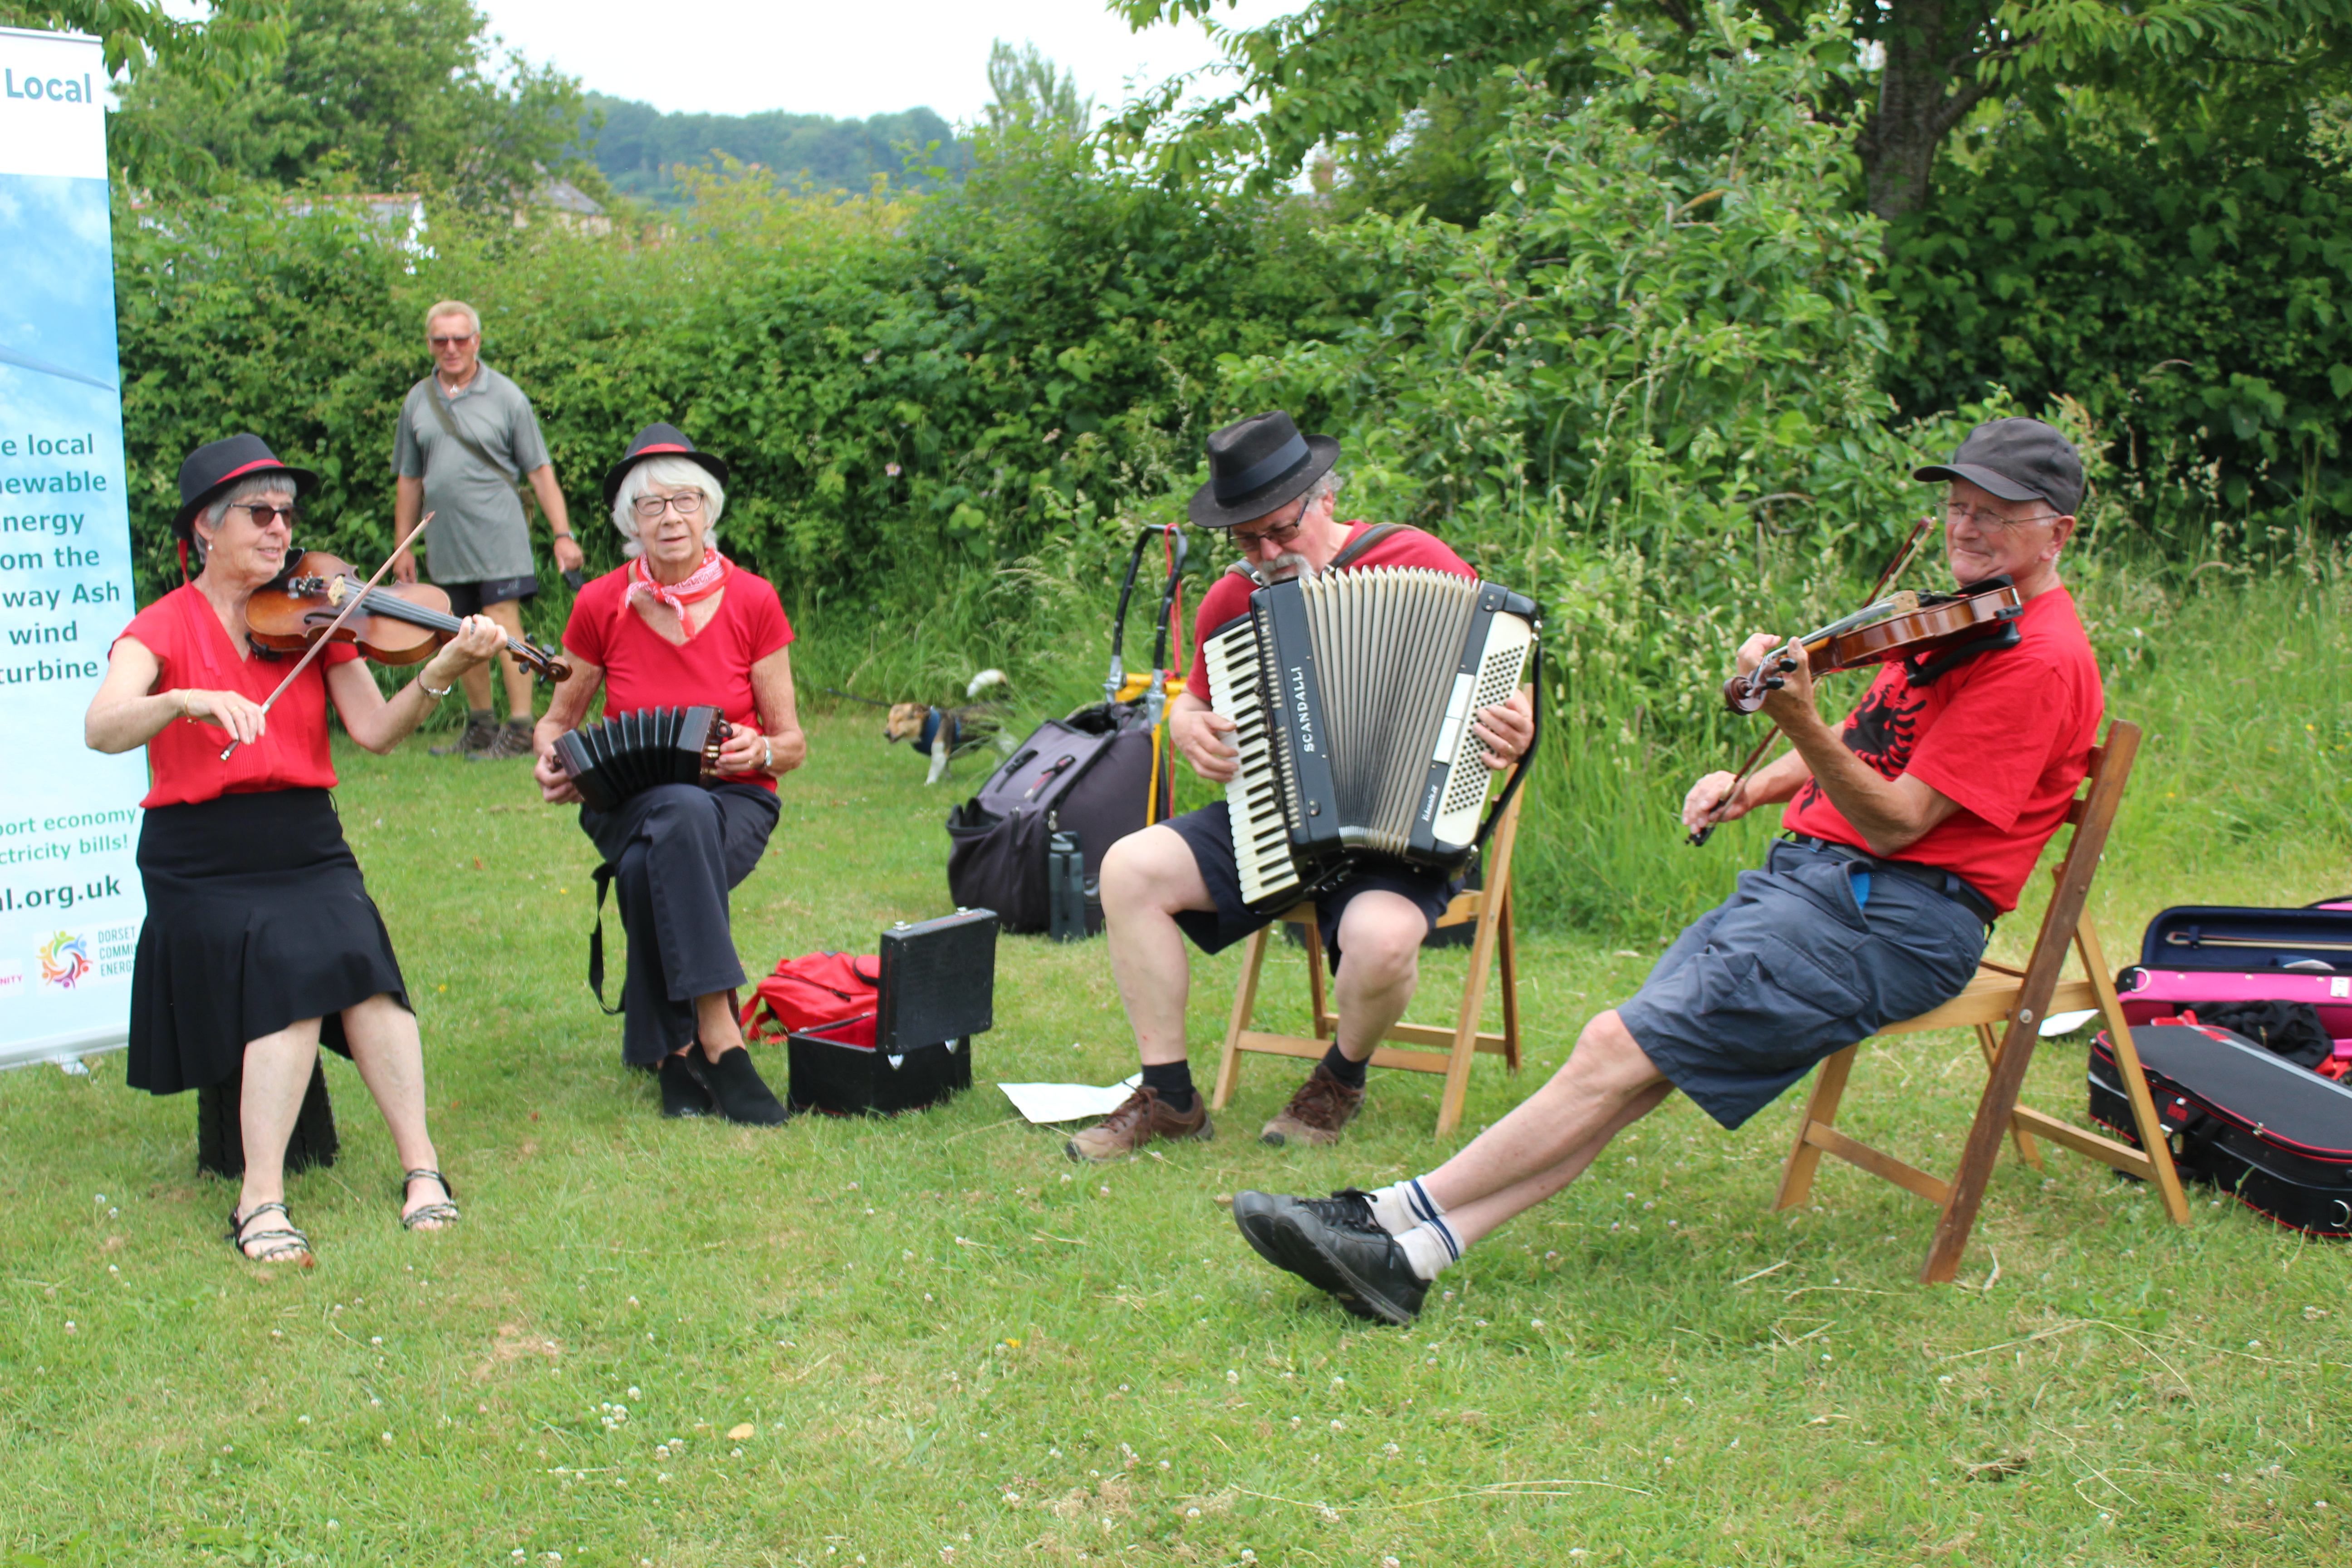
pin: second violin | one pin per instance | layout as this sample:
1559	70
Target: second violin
1937	630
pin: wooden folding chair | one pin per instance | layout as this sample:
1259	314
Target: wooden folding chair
1489	905
2022	998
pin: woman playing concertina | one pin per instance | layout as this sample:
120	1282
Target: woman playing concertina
260	939
680	625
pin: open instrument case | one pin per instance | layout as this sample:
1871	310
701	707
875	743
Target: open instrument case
938	990
2196	953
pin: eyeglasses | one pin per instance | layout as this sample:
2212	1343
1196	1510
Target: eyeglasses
1990	522
262	515
440	341
648	508
1281	533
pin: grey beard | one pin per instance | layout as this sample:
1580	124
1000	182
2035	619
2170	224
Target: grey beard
1282	568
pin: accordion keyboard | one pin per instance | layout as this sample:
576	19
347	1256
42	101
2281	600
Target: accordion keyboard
1253	799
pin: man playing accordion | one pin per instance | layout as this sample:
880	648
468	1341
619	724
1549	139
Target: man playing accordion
1274	492
1911	828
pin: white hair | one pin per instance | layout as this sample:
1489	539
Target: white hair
448	308
1327	484
244	489
678	474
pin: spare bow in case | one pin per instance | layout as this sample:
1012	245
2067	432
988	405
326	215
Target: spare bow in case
2274	1135
938	990
626	755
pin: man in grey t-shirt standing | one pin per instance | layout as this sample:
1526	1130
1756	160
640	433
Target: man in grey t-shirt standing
466	434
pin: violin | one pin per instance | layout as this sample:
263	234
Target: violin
1903	626
403	622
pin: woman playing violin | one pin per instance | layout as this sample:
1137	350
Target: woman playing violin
681	625
261	941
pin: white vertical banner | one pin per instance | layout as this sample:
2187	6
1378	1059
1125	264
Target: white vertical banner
69	897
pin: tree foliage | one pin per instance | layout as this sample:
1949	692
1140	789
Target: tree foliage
639	149
370	95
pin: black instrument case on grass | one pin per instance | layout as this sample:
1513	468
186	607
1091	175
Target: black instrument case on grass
2275	1135
938	990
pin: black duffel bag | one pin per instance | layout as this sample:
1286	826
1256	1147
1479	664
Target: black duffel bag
1064	779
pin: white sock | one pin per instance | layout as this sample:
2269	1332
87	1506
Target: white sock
1404	1205
1430	1247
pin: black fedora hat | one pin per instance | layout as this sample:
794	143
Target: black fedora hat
215	465
659	441
2016	460
1255	465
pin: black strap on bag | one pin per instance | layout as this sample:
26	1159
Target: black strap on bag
603	875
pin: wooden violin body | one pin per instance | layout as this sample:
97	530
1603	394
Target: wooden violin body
399	624
1896	628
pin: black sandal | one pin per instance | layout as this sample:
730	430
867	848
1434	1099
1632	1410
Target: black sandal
437	1216
280	1244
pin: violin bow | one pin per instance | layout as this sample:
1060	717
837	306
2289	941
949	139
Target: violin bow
1902	558
323	638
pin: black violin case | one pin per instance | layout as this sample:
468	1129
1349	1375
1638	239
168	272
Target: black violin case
2275	1136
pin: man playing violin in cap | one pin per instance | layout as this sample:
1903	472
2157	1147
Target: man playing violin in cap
1910	828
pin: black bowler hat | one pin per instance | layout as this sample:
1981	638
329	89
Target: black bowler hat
2016	460
1255	465
659	441
215	465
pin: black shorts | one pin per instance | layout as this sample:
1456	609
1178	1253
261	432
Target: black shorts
467	598
1793	968
1209	834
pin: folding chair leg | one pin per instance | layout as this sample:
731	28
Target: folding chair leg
2027	1150
1318	1000
1465	1049
1821	1106
2143	1104
1510	947
1995	1109
1229	1063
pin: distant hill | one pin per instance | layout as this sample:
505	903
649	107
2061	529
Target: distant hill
638	145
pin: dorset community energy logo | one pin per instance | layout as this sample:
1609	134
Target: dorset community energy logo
65	958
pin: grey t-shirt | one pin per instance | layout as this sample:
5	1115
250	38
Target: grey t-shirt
478	531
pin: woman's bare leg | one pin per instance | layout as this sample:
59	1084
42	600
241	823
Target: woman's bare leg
277	1076
390	1054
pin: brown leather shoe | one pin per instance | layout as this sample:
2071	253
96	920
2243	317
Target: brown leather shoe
1316	1113
1144	1116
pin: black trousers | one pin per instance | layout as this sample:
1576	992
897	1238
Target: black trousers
675	850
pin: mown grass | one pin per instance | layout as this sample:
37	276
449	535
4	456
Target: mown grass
953	1347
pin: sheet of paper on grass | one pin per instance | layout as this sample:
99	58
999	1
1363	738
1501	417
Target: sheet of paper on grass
1044	1102
2058	1024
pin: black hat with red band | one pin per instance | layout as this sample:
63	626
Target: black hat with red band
216	465
659	441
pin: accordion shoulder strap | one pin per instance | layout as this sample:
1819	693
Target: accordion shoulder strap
603	875
1346	557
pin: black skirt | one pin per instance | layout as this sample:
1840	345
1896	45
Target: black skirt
257	916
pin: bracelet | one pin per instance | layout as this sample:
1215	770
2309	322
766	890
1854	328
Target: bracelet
768	755
432	693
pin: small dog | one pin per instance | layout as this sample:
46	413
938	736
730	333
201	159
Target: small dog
949	733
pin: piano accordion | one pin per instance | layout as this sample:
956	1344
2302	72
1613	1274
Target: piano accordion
1353	695
626	756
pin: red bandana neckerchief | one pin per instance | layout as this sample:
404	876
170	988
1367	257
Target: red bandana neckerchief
704	580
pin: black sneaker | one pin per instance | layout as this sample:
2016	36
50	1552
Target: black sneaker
741	1093
1366	1269
683	1091
479	732
1259	1214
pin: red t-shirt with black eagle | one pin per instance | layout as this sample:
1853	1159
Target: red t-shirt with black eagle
2007	735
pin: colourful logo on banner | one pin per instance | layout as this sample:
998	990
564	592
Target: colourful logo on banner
65	958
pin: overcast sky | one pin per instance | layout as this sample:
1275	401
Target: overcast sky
739	56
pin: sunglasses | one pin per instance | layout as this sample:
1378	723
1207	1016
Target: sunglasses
263	515
439	341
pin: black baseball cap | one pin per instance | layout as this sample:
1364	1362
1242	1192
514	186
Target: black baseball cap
2016	460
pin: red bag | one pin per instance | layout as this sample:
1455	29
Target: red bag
816	988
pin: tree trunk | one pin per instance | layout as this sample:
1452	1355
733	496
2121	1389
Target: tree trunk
1926	85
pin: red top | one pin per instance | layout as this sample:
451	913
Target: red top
1229	595
712	669
2007	735
188	640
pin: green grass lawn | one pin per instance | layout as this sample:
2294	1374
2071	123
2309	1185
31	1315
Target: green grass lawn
935	1341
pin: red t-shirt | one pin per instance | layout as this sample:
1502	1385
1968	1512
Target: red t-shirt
2007	735
712	669
187	639
1229	595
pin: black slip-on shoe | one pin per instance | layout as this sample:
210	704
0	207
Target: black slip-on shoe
742	1094
683	1091
1364	1268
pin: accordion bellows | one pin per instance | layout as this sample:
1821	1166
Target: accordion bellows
625	756
1353	695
